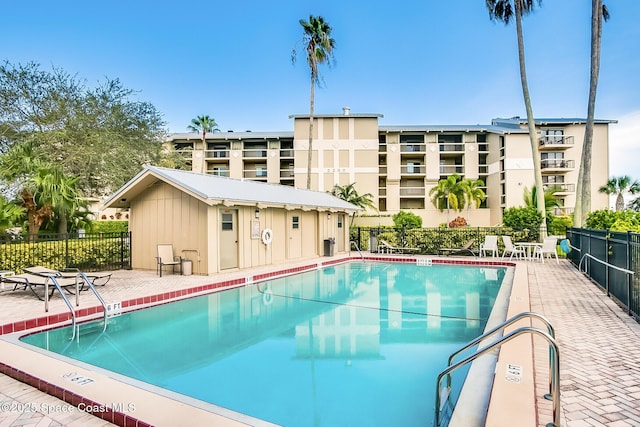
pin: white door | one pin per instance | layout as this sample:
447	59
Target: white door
294	224
228	239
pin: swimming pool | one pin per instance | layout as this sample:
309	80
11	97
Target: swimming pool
353	344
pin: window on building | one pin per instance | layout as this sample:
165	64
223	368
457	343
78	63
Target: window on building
295	222
227	221
340	219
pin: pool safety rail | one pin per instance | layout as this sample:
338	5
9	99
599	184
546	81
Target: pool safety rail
615	267
442	395
80	277
355	245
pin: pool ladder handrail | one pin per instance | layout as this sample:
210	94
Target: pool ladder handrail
500	327
554	368
354	244
89	283
64	297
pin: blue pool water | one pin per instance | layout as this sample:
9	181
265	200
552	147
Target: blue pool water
354	344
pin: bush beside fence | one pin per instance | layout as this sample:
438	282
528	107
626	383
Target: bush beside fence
92	252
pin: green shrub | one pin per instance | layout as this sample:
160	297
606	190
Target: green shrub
605	219
522	217
110	226
407	220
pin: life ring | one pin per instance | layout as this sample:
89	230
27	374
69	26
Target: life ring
267	236
565	246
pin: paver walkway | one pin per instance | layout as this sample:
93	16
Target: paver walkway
600	355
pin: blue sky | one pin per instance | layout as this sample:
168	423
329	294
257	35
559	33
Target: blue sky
414	61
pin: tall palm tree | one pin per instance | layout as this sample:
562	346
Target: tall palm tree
599	13
448	194
319	46
204	124
350	194
618	186
473	194
505	10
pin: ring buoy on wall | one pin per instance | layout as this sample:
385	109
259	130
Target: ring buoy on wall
267	236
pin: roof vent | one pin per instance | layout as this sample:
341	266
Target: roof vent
346	110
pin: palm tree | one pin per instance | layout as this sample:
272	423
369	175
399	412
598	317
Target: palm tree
349	194
599	13
531	199
504	10
319	46
619	186
472	192
448	194
204	124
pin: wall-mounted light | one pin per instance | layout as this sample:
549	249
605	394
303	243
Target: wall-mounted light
257	213
123	200
329	215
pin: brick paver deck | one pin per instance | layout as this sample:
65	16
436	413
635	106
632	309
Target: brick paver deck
600	358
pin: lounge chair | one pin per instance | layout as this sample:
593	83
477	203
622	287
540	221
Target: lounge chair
31	281
464	249
490	245
166	257
384	247
96	278
511	249
548	248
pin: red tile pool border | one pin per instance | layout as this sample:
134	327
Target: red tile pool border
125	420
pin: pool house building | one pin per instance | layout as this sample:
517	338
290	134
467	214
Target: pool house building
399	165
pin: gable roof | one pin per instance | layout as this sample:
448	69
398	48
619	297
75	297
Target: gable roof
214	190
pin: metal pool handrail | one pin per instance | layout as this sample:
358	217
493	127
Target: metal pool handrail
95	291
64	297
555	368
624	270
501	327
352	243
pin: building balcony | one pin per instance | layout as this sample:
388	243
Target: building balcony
286	173
413	169
413	148
185	153
382	191
260	174
552	165
451	147
451	169
561	188
286	153
216	154
559	142
561	210
218	172
255	153
412	191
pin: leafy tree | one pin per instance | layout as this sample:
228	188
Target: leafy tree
606	219
407	220
472	192
204	124
618	186
505	10
522	217
599	13
10	214
319	46
448	194
349	194
99	135
530	198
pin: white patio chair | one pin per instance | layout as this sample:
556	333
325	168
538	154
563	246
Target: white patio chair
511	249
548	248
166	257
490	245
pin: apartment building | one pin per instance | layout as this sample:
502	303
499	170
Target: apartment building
399	165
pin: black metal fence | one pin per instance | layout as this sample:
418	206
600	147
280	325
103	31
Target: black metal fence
431	240
86	251
619	249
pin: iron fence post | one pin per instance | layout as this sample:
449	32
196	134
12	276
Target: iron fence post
629	276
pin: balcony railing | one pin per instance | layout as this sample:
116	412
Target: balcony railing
451	169
286	153
255	173
382	191
452	147
558	211
186	153
255	152
548	140
216	154
382	169
557	164
412	148
286	173
413	169
218	172
561	188
412	191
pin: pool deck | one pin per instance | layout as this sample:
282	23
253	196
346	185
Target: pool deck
600	358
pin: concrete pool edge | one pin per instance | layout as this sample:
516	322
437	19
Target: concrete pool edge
36	373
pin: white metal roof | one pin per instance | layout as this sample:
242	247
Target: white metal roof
214	189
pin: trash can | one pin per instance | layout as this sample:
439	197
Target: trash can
328	246
187	266
373	244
